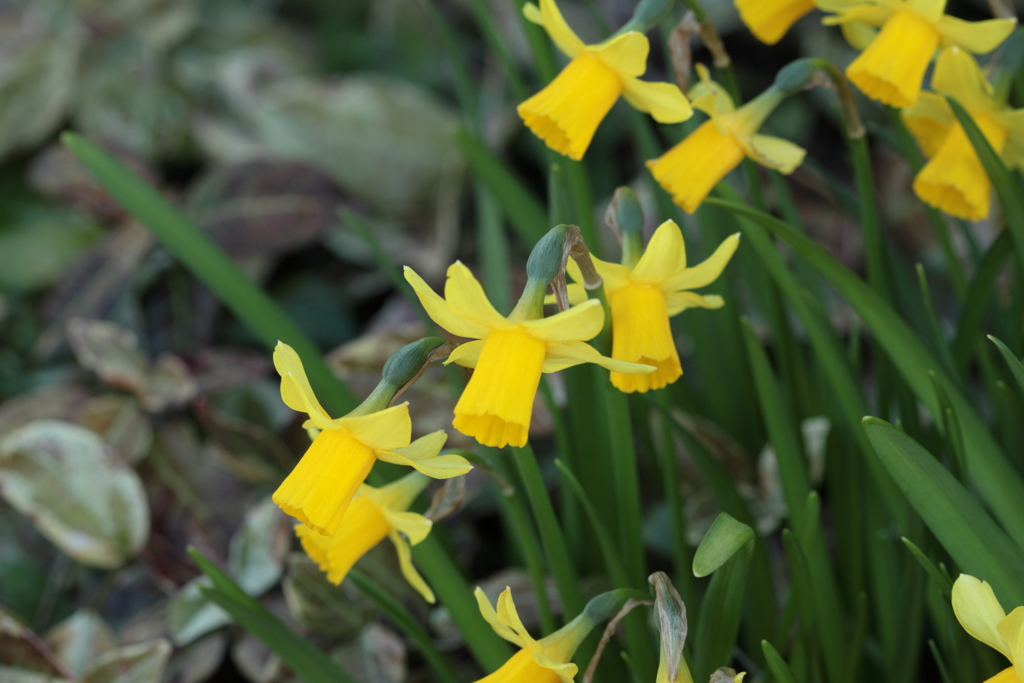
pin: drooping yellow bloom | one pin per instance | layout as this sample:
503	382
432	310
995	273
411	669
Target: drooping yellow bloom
644	297
509	355
892	65
318	491
539	661
567	112
981	615
693	167
375	514
769	20
954	180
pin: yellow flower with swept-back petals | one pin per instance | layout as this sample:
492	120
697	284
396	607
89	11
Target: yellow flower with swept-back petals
319	489
981	615
375	514
567	112
892	65
954	180
509	355
769	20
693	167
547	660
644	297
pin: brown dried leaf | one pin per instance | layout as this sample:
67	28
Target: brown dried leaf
79	640
120	422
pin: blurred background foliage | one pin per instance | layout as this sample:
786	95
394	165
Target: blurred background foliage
137	418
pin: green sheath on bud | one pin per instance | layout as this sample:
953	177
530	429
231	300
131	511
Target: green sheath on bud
626	217
796	76
402	367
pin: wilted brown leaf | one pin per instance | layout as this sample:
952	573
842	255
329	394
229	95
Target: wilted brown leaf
79	640
120	422
142	663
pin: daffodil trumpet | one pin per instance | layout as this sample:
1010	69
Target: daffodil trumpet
647	289
373	515
892	65
509	354
980	614
954	180
769	20
320	488
693	167
548	660
567	112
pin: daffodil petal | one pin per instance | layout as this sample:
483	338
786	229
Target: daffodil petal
979	612
415	527
1013	122
709	96
491	617
439	310
978	37
677	302
929	9
561	355
467	299
929	121
554	23
577	295
665	102
580	322
1011	628
445	466
707	271
466	354
386	430
869	15
509	615
957	73
298	394
566	671
626	53
782	155
427	446
409	570
614	275
664	256
291	392
859	35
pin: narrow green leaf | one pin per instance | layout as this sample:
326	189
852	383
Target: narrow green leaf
723	540
777	664
941	579
979	294
309	663
991	471
1016	367
960	524
945	355
720	610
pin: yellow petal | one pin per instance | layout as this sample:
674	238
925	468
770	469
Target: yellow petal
689	170
978	37
665	102
439	310
769	20
566	671
929	121
409	570
708	270
399	494
641	334
467	299
929	9
491	617
871	15
422	455
321	487
567	112
1013	122
466	354
709	96
577	295
1011	629
858	35
520	668
614	275
782	155
561	355
677	302
626	53
362	528
579	323
497	403
297	394
1008	675
385	430
508	615
957	73
554	23
891	69
415	527
979	612
664	256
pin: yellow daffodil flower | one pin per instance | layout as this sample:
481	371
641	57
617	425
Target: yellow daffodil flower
954	180
510	353
892	65
539	661
567	112
769	20
644	297
693	167
319	489
981	615
375	514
